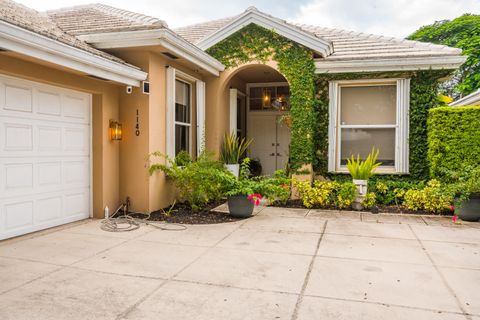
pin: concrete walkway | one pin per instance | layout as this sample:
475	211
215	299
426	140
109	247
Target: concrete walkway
280	264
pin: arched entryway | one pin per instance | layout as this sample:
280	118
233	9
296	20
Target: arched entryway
259	104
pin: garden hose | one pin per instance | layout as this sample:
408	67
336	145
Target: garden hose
126	222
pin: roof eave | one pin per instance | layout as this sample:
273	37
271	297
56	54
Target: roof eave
320	46
469	100
164	37
32	44
389	64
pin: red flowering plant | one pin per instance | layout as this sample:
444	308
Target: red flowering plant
255	198
256	188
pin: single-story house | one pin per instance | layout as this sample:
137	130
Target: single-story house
74	81
473	99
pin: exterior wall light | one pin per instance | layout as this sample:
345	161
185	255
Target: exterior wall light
115	130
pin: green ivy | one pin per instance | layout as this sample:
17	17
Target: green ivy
423	97
295	62
309	94
453	139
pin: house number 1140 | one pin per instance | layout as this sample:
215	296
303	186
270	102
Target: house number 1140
137	127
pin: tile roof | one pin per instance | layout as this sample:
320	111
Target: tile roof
100	18
29	19
347	45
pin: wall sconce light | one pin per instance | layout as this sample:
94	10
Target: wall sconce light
115	130
267	96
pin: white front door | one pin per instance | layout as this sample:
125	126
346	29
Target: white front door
271	141
44	156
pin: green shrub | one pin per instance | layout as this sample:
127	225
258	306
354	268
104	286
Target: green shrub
326	193
432	198
389	192
198	182
370	200
453	139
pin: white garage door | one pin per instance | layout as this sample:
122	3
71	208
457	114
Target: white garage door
45	156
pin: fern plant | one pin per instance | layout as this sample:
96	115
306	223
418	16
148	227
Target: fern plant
233	148
363	169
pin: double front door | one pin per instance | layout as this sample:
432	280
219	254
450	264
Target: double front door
271	140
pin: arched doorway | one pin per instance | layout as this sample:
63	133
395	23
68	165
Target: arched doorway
259	105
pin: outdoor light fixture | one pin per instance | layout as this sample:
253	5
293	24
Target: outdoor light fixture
115	130
267	95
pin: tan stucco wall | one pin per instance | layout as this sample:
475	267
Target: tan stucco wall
104	107
218	100
147	193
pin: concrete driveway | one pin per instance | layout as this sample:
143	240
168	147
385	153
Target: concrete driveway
281	264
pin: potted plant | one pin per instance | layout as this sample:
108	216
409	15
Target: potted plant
233	148
361	171
243	193
467	200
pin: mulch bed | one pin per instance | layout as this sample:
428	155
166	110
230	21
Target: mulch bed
184	214
399	209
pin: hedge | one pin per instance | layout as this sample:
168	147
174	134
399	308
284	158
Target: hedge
453	138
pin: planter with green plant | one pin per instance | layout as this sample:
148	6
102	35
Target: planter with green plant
361	171
233	149
244	193
466	189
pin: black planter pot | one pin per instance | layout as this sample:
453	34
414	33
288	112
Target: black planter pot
470	210
240	206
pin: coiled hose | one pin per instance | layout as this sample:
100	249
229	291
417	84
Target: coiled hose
126	222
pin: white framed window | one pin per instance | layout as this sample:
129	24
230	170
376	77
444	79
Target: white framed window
183	116
181	120
366	114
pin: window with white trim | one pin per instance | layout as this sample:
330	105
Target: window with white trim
183	116
366	114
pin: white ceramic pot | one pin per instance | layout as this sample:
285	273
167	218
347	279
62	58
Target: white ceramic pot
362	189
234	169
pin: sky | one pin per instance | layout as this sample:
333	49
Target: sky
397	18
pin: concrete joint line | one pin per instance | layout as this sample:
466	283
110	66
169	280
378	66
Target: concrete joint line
124	314
444	280
307	276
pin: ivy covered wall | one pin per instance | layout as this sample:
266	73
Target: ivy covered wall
423	97
295	63
309	94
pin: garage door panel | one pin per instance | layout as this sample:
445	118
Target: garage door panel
24	177
78	203
49	138
17	136
45	161
76	140
76	173
18	98
18	176
74	108
49	209
49	174
49	104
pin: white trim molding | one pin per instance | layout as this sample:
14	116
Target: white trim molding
252	15
200	89
170	123
34	45
233	111
473	99
388	64
161	37
172	76
401	124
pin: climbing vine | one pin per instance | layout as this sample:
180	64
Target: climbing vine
423	97
309	94
295	62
